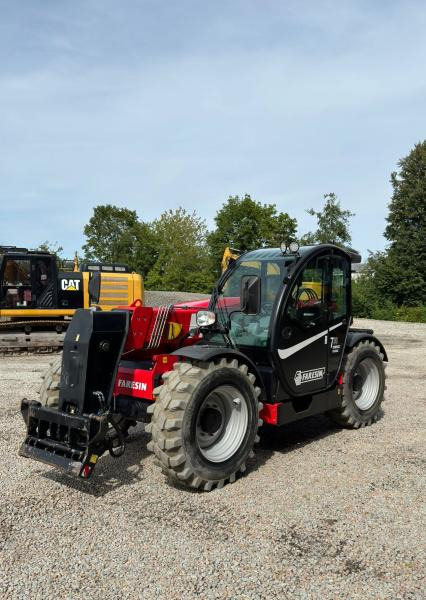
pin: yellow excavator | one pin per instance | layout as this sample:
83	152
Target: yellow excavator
39	295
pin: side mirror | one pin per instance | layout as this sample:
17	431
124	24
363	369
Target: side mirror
250	294
95	288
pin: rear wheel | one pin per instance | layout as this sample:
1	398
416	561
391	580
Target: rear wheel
204	422
363	386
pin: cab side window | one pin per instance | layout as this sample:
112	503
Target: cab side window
17	272
307	303
339	288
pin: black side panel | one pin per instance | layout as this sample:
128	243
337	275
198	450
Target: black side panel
92	349
355	336
206	353
70	290
300	408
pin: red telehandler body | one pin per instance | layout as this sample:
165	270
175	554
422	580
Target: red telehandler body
273	345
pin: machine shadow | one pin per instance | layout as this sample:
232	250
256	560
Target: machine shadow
287	438
110	473
298	434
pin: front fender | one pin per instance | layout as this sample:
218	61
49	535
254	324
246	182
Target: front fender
207	353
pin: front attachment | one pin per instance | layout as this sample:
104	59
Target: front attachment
73	436
71	442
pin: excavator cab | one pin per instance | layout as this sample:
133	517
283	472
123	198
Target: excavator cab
27	279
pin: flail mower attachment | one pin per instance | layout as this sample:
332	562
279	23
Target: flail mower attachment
82	428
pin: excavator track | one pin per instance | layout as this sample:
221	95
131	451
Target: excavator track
32	337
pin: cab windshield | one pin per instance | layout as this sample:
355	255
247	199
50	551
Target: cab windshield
249	330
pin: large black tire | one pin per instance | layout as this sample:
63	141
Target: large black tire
363	386
49	389
197	442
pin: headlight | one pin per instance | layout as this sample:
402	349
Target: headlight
205	318
283	247
293	247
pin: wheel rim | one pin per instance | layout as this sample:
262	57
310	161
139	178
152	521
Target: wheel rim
365	384
222	423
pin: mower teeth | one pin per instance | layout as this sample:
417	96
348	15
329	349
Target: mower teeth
150	409
243	468
208	486
251	454
220	484
232	477
260	406
148	428
257	439
150	446
251	377
244	369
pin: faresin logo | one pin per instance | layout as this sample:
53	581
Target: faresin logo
308	376
70	285
132	385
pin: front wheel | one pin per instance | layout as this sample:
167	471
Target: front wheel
204	422
363	386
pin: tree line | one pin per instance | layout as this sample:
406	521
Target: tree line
177	252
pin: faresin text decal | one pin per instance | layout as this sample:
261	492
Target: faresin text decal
307	376
132	385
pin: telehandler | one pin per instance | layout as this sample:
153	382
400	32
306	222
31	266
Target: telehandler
273	345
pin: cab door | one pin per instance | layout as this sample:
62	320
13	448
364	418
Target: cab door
301	342
339	311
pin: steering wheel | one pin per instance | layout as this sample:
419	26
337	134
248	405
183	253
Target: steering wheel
312	295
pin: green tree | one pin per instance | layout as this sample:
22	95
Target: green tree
246	224
183	262
404	268
52	247
394	280
333	224
115	234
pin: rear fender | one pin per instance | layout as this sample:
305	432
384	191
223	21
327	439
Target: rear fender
354	337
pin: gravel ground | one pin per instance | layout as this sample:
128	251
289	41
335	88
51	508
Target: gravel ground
322	512
158	298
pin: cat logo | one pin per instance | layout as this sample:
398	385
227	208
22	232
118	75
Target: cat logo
70	285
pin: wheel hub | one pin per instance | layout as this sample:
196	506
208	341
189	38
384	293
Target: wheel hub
210	420
365	384
221	423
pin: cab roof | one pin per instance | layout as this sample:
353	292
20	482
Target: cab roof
275	253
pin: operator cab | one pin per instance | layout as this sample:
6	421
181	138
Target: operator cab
27	279
296	323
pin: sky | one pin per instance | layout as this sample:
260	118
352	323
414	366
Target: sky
153	105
